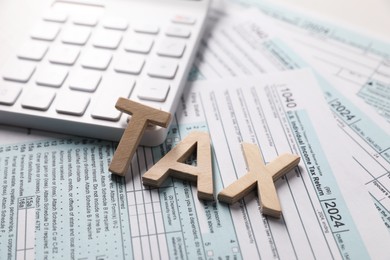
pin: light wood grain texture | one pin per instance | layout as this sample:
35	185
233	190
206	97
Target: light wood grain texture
262	176
173	164
141	116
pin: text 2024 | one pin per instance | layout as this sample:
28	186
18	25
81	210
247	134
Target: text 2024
339	108
333	213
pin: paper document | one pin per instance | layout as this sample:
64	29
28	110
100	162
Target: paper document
253	36
369	134
280	117
59	200
358	63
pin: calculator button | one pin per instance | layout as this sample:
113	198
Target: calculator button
176	31
33	50
18	70
138	44
76	35
64	54
37	98
96	59
115	23
183	19
129	63
86	20
9	94
153	90
173	49
45	31
146	28
84	80
106	39
72	103
51	76
161	68
112	87
55	16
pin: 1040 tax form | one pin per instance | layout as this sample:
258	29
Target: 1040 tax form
60	201
322	200
249	43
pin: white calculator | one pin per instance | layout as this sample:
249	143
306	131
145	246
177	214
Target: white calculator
71	64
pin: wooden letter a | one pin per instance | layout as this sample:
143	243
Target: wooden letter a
173	163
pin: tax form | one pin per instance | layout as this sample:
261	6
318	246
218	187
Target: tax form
279	116
357	62
59	200
256	38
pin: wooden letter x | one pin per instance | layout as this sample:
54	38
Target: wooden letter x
261	176
141	116
173	163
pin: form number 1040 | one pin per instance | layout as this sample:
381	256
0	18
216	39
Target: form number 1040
288	98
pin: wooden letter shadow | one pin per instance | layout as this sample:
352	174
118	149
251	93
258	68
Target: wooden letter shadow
261	176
